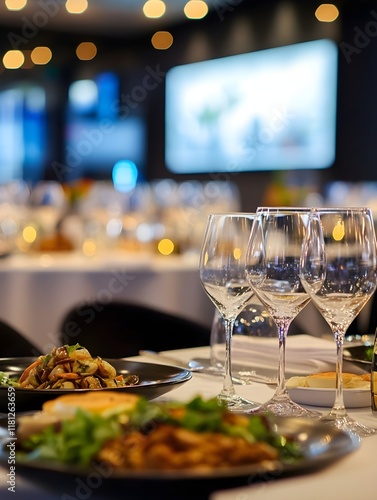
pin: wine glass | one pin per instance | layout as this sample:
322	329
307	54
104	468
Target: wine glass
48	203
338	271
223	276
272	267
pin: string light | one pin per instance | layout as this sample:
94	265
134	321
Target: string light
76	6
196	9
154	9
86	51
162	40
15	4
327	13
13	59
41	55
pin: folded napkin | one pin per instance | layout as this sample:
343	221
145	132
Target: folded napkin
304	354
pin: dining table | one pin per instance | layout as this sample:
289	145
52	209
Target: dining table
38	289
346	478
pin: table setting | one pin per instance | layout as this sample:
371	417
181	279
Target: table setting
302	408
207	385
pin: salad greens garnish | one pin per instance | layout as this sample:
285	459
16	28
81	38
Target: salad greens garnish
7	380
77	441
201	416
73	348
369	353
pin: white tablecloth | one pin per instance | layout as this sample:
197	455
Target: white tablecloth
351	477
36	291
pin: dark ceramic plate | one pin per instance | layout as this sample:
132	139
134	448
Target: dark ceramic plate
321	445
360	355
154	381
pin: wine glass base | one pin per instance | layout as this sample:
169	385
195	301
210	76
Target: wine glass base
237	403
348	424
286	408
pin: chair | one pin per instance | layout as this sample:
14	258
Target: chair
14	345
120	329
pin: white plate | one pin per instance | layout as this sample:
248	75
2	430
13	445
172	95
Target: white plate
353	398
319	445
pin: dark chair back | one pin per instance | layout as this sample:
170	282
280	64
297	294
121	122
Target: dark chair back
119	329
14	345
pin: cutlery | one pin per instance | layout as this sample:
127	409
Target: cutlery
196	366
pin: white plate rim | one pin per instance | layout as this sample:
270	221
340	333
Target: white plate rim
325	397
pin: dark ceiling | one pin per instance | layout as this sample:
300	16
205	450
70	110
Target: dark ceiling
115	17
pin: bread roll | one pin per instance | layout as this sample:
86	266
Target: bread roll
326	380
100	402
64	407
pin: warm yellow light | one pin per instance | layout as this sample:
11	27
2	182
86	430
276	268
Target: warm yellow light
29	234
327	13
76	6
154	9
196	9
206	257
86	51
237	253
89	248
338	231
13	59
162	40
41	55
15	4
165	246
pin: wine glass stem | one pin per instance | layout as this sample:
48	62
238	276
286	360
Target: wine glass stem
228	388
283	327
338	408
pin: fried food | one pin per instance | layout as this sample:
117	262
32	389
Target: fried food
170	447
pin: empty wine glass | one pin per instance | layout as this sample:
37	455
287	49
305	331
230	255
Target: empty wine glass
48	203
338	271
272	265
223	276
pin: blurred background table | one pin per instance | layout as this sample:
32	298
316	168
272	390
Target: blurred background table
37	290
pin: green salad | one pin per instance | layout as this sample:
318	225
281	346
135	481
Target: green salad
8	381
79	440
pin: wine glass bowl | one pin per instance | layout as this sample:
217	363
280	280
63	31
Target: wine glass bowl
223	276
48	203
272	264
338	271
